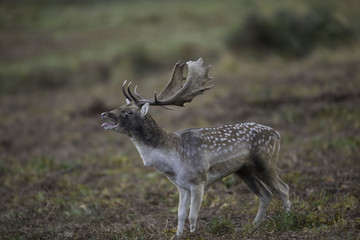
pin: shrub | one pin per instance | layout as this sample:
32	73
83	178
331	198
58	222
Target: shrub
290	34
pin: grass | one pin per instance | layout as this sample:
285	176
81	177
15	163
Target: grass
64	178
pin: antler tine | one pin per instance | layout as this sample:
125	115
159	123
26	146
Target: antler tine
136	93
156	101
132	95
140	100
124	91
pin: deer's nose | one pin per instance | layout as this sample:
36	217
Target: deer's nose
104	114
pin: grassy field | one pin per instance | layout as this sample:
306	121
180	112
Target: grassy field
61	65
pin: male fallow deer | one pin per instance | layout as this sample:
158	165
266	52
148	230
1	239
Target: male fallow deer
194	158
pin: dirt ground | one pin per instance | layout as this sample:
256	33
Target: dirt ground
64	177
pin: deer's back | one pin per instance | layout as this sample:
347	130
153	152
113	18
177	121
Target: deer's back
225	149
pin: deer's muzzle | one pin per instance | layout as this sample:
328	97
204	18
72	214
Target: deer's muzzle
108	125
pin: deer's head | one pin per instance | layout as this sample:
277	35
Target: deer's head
126	119
134	116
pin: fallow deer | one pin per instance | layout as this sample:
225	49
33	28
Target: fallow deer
194	158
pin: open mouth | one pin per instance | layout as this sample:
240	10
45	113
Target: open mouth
109	125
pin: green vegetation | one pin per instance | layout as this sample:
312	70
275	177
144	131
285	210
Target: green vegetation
63	63
291	34
220	226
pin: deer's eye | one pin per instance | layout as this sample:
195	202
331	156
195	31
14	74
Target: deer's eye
128	113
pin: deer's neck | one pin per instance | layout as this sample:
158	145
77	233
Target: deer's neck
150	134
155	145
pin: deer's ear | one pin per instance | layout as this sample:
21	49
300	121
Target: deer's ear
144	110
127	101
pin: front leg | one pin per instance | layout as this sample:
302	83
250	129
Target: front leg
184	203
197	193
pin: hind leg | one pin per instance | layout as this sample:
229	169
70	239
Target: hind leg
259	188
284	194
270	177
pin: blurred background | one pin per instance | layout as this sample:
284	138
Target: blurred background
292	65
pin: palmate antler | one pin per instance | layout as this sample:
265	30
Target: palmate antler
176	93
